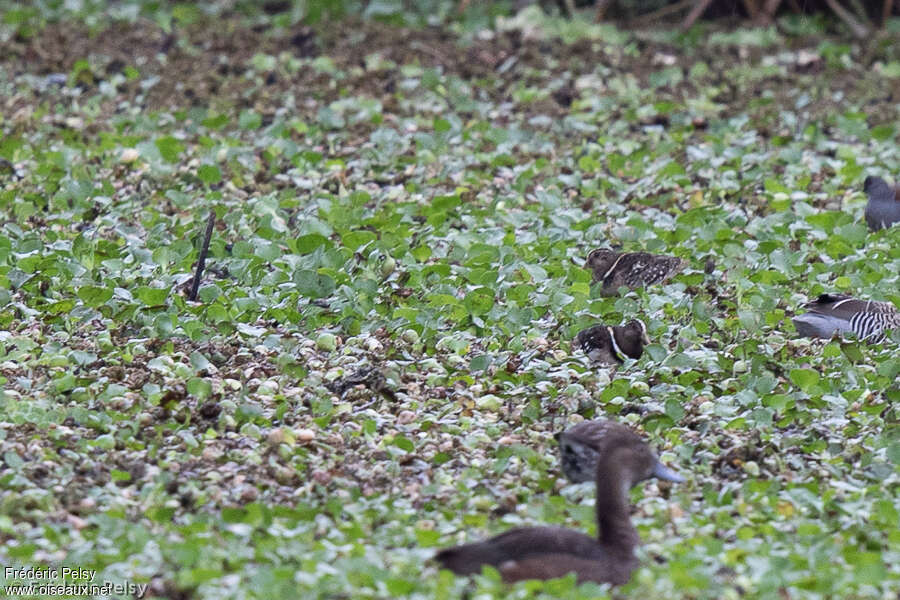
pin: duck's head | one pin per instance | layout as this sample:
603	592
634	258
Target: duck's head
590	444
601	259
637	330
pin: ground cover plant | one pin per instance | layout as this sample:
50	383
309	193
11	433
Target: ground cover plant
381	349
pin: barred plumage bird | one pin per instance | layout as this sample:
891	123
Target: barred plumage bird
630	269
831	314
883	208
612	344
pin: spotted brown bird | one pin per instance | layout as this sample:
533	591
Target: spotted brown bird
630	269
612	344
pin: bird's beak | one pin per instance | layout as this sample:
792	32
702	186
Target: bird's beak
661	471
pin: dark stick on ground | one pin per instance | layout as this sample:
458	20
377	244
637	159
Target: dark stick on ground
201	261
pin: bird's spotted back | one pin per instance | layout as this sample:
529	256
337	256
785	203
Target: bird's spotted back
631	269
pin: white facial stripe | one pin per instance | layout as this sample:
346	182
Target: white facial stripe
644	336
613	267
616	350
839	302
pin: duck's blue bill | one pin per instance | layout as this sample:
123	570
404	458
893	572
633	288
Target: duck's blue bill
661	471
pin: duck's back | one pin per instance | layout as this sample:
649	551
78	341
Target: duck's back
831	314
540	553
638	269
551	566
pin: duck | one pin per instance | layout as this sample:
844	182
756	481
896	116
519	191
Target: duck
623	459
579	448
831	314
613	344
630	269
883	208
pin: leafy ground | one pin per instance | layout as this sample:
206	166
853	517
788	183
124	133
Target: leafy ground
418	202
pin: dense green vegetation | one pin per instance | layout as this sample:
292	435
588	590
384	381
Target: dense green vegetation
418	201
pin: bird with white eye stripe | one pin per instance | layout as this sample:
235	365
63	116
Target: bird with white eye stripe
840	314
612	344
630	269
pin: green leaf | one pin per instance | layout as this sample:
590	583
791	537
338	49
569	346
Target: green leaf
428	537
313	285
479	301
250	330
13	460
883	132
307	243
893	452
151	296
480	362
94	296
117	475
215	121
353	240
805	379
249	120
404	444
169	148
199	387
209	174
61	307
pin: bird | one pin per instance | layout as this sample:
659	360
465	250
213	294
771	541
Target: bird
630	269
883	208
623	460
831	314
578	448
613	344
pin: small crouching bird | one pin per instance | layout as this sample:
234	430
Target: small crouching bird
622	460
612	344
630	269
840	314
883	208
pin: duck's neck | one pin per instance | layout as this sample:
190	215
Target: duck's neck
614	526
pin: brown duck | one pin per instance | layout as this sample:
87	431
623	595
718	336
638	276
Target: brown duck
622	460
630	269
613	344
